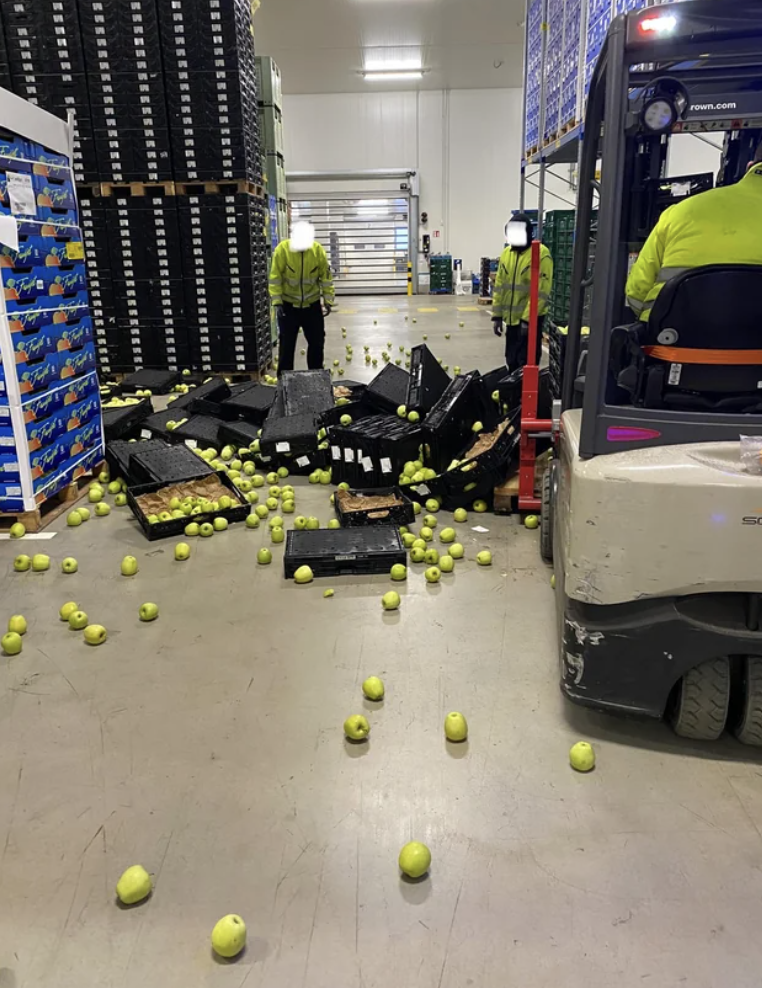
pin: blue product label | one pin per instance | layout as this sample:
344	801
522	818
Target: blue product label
82	388
83	438
42	406
54	193
44	462
76	363
77	415
35	345
41	434
36	377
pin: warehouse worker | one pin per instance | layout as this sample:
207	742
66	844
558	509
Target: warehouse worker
510	303
723	226
299	276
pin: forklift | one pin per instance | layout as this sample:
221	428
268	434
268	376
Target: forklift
649	516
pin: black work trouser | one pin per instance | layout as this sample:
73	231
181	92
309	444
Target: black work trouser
517	344
290	321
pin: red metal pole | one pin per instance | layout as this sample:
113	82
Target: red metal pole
530	424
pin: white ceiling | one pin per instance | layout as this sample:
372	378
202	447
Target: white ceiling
322	46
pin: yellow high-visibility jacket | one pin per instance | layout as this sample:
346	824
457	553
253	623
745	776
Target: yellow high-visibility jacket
510	301
300	277
723	226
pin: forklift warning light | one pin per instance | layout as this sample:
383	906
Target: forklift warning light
658	25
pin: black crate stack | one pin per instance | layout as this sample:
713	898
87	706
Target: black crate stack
46	61
169	166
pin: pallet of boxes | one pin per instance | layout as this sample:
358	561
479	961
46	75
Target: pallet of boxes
50	413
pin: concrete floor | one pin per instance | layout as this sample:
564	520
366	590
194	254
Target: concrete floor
208	747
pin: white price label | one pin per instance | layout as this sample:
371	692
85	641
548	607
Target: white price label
349	456
21	194
191	444
386	465
145	434
335	452
367	464
283	447
303	461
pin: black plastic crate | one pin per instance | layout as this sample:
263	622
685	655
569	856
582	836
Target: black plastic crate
253	402
344	551
449	424
491	463
176	527
289	434
349	389
428	380
168	466
119	454
217	410
155	426
159	382
355	409
304	464
399	514
202	429
119	421
388	389
306	391
238	434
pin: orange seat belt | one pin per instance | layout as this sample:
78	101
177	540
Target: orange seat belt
720	358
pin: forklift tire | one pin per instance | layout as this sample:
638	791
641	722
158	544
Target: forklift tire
748	727
546	516
701	705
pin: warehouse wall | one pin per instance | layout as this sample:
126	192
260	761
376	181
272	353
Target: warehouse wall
463	143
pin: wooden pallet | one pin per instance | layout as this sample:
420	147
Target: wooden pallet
160	189
568	126
484	300
507	494
47	512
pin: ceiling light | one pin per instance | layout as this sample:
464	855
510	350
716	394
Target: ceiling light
392	76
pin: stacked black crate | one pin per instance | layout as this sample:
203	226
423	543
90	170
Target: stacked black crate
127	101
95	236
208	49
226	289
147	280
47	67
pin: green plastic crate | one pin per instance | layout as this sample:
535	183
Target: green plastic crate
269	86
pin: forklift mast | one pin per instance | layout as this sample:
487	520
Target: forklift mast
709	64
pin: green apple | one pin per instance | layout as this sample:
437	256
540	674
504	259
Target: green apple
288	507
236	465
272	503
480	506
477	427
426	534
22	563
274	491
206	530
166	516
460	515
417	554
447	535
402	411
413	417
484	558
228	452
432	574
553	582
430	521
115	487
272	477
457	551
303	575
220	524
77	620
95	496
446	564
134	885
399	573
325	477
74	519
102	509
11	643
153	519
496	397
346	419
40	563
229	936
252	521
258	480
531	522
334	523
431	558
120	500
262	511
277	535
249	469
95	634
416	508
17	624
282	472
148	612
418	477
69	565
67	610
415	858
429	474
582	757
276	522
225	502
343	486
252	497
182	552
312	524
129	566
192	530
408	539
84	513
18	531
244	486
373	688
419	544
432	504
356	727
456	727
264	557
391	601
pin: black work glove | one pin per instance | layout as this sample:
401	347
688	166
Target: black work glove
497	326
327	309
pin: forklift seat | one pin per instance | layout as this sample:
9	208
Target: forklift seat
701	349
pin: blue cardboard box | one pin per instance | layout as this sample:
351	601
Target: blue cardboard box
36	377
75	363
74	416
41	434
80	440
10	471
75	391
44	462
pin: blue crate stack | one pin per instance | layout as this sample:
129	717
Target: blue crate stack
50	413
570	65
534	69
553	61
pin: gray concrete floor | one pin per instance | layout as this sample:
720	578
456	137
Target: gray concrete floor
208	747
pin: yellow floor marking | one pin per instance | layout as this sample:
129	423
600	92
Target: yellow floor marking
388	310
467	308
346	312
428	310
